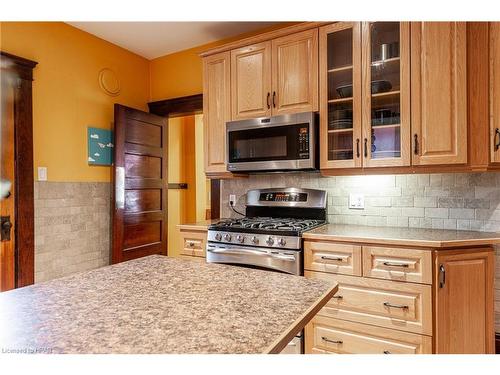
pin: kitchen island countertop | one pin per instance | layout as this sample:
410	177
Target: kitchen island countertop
159	304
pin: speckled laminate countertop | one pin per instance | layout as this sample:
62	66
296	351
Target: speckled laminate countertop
198	225
415	237
159	304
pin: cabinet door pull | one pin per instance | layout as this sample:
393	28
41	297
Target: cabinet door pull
338	297
274	99
366	148
331	341
330	258
415	146
357	148
387	352
403	307
391	264
267	100
497	139
442	276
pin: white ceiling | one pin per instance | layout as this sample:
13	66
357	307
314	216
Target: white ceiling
155	39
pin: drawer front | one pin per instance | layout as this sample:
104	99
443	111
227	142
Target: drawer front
332	257
398	264
326	335
194	243
402	306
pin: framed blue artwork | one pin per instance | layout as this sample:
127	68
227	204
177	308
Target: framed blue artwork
100	146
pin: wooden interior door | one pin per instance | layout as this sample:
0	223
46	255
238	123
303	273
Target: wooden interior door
439	92
251	81
7	203
295	73
463	288
140	184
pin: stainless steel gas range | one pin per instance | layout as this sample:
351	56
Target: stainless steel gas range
270	235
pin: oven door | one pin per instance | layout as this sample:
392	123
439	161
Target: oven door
278	143
288	261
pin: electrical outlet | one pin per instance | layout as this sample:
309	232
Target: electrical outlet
232	198
42	173
357	201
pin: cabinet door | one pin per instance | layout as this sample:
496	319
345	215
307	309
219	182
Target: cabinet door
463	289
386	94
216	110
439	93
495	92
251	81
295	73
340	95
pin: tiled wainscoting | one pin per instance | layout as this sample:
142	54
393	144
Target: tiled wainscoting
449	201
72	228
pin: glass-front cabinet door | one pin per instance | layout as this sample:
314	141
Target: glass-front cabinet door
340	95
386	94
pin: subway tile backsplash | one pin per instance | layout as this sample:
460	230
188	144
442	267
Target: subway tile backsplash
461	201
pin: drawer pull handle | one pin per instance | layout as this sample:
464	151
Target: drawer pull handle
338	297
331	341
191	244
388	304
335	259
391	264
387	352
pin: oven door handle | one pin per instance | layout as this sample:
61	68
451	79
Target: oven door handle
233	251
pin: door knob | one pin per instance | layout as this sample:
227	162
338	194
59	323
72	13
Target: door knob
5	229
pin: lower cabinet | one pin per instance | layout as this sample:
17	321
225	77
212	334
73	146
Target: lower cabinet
327	335
408	301
194	243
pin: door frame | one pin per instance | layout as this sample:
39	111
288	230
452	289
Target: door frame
188	106
23	168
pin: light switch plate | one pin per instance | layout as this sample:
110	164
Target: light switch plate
357	201
42	173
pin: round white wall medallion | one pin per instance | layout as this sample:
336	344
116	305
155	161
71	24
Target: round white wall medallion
109	82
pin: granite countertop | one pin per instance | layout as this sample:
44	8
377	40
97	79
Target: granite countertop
159	304
198	225
415	237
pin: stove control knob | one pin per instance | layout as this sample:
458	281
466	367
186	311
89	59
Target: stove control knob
240	238
254	240
227	237
282	242
218	236
270	241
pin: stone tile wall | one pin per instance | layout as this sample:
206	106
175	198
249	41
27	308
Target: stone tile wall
468	201
72	228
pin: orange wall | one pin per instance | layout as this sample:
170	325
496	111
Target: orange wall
180	73
66	93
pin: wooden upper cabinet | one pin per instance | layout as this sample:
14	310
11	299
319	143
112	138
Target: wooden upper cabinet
251	81
295	73
386	94
216	110
494	32
463	288
439	93
340	95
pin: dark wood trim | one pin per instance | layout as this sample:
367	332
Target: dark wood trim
214	199
186	106
24	184
497	342
183	106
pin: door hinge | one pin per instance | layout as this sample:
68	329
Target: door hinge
6	226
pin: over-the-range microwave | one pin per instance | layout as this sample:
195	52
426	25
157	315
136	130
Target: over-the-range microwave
278	143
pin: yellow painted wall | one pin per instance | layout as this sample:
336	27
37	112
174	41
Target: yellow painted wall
66	93
180	73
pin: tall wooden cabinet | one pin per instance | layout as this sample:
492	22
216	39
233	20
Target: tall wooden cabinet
275	77
216	111
439	92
